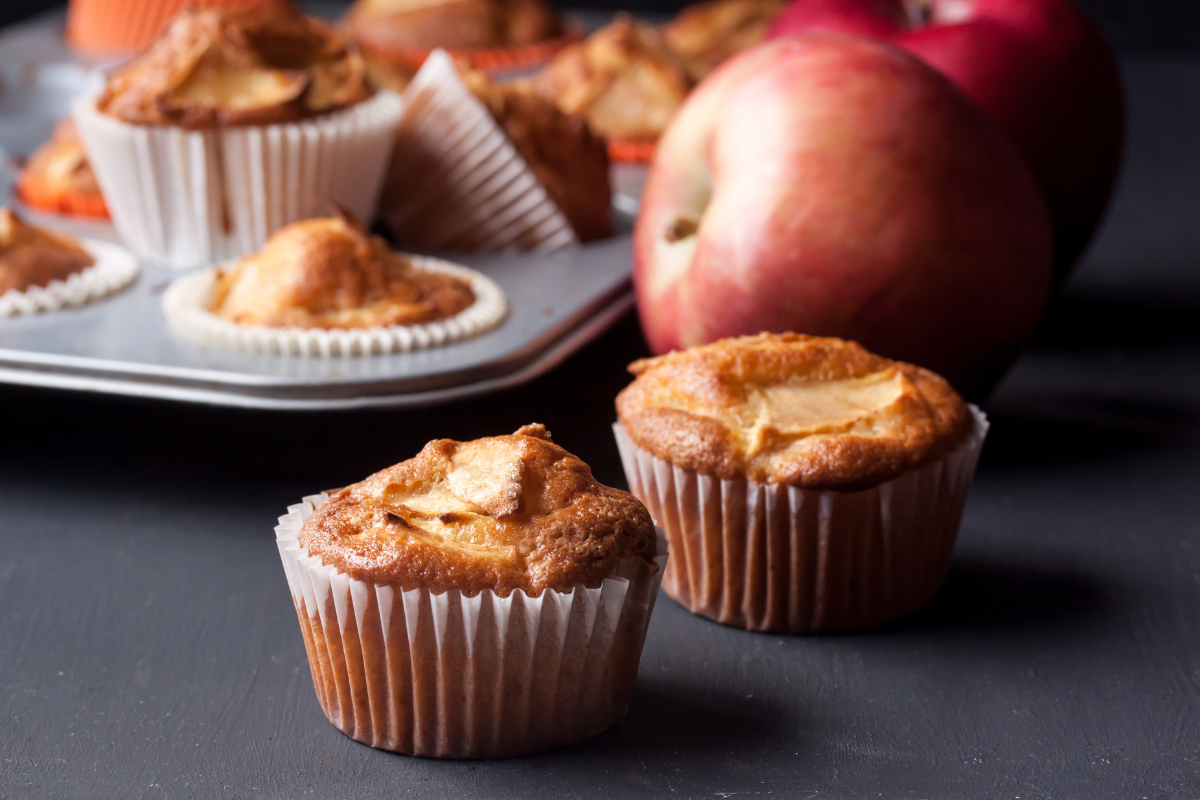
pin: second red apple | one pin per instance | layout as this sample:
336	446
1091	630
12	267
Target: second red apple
835	186
1037	68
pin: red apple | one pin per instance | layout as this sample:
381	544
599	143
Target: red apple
1037	68
837	186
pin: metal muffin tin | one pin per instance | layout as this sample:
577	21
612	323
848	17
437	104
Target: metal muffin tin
121	345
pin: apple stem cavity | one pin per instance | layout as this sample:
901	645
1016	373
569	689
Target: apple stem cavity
919	13
681	228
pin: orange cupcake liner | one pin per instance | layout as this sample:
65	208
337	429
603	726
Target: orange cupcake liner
39	195
128	26
631	151
497	59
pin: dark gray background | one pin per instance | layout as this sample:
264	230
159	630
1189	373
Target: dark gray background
148	646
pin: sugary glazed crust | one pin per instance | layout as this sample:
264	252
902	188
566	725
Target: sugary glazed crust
500	513
249	66
703	409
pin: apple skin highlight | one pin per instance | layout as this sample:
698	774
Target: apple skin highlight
1037	68
839	187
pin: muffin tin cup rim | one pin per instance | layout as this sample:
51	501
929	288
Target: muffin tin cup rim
184	306
113	270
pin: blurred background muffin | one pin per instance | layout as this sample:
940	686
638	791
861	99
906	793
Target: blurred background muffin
487	34
58	177
123	27
623	80
705	34
232	125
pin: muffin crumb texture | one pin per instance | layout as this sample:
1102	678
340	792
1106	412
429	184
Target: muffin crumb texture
500	513
806	411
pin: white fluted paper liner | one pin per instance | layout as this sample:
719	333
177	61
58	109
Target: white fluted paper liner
113	269
772	557
453	676
189	198
456	183
186	301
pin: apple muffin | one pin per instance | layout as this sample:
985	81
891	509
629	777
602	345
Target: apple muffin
705	34
807	484
325	287
623	80
569	160
479	33
58	177
485	166
491	598
33	257
234	123
330	273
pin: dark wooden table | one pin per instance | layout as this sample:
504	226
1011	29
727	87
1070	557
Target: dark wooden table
148	646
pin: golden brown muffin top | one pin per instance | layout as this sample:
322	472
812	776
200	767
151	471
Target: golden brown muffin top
622	79
454	24
568	159
61	164
249	66
501	513
330	273
705	34
31	256
806	411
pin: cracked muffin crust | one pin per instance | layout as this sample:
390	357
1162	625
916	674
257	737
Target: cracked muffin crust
500	513
237	67
330	273
811	412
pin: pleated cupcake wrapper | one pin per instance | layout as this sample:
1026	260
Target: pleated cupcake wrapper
192	198
453	676
771	557
456	183
113	269
186	301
